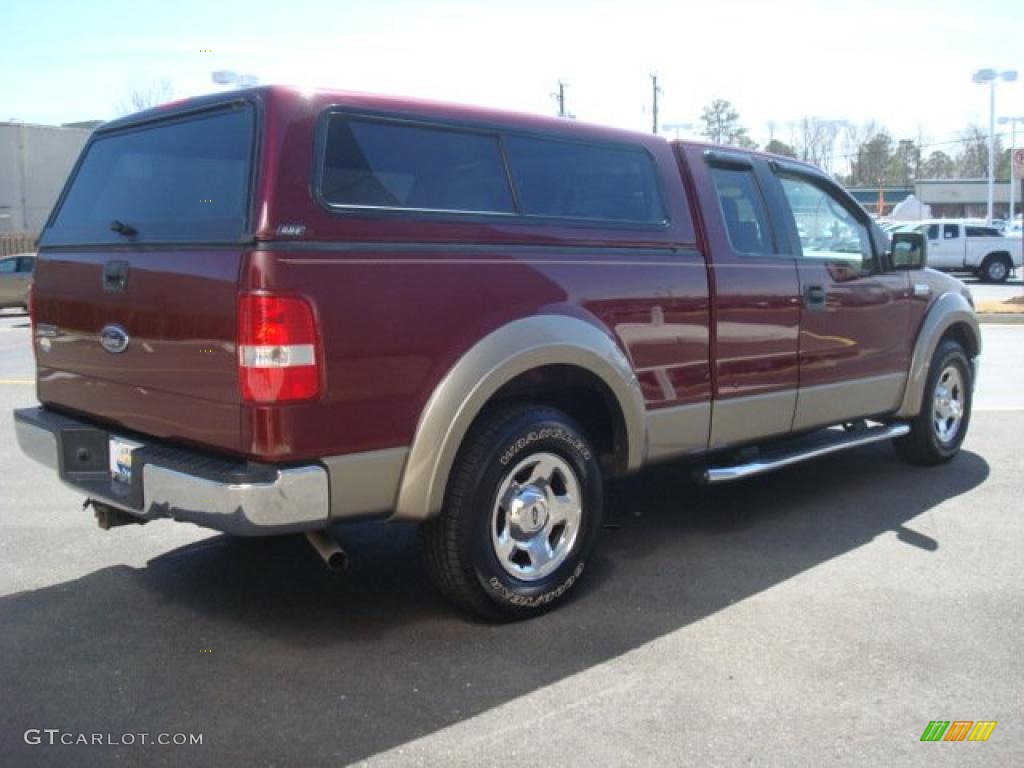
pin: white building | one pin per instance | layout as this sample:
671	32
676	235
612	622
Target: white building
35	160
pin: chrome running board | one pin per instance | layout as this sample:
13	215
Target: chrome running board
714	475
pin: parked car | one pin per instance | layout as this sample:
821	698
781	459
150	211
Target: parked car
16	280
266	312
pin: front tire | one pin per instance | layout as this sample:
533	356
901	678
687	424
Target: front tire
521	514
939	428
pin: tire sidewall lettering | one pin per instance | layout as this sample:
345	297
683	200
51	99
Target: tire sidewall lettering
535	601
545	433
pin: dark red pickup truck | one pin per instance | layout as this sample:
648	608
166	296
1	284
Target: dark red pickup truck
269	312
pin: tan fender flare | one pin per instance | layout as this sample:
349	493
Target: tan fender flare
948	310
499	357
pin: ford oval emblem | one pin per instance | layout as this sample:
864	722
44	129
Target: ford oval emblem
114	339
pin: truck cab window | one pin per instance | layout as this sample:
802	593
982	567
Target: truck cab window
949	232
746	220
827	229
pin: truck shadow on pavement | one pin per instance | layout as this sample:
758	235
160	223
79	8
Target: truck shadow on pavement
277	661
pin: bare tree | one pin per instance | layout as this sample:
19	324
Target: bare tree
973	160
158	92
815	139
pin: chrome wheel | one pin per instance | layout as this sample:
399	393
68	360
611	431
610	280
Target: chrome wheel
997	270
948	404
536	516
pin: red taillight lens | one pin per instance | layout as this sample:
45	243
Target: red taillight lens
278	349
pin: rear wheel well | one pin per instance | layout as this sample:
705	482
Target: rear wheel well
581	395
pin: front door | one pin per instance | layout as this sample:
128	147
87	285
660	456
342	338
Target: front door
946	246
854	343
14	281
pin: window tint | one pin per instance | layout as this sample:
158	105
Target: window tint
380	164
746	220
25	263
827	229
950	231
584	181
933	231
8	266
181	181
982	232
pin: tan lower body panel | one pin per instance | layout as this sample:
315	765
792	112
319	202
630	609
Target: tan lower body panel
677	431
742	419
833	403
365	484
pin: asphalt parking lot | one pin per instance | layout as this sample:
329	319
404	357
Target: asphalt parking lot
1013	287
821	615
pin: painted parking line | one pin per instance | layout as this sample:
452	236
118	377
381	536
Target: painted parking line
17	381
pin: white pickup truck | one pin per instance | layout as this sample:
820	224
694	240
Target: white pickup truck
959	246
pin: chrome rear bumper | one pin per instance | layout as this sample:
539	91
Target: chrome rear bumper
235	497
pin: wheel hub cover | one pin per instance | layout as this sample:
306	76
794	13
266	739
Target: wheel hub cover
528	513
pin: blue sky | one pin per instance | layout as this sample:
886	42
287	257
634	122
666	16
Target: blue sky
906	65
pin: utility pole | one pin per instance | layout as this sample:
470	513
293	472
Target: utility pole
560	98
656	89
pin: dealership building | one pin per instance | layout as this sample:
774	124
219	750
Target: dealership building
947	198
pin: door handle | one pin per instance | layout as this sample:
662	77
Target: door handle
814	297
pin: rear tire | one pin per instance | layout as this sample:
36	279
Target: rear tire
521	514
995	268
939	428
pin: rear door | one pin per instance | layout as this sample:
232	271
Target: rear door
755	309
854	322
137	277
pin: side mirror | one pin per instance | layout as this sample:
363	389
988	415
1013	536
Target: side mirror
909	251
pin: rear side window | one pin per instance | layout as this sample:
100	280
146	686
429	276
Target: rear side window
584	181
179	181
378	164
746	220
982	232
26	263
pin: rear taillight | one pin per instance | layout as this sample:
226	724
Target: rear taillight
278	349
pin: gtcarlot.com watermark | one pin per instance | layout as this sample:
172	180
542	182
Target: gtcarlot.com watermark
57	737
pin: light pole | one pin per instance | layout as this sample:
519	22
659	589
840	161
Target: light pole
1013	145
990	76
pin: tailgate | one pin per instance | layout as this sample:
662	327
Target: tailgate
137	279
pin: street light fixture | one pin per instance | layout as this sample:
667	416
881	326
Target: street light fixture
228	77
990	76
1013	146
677	127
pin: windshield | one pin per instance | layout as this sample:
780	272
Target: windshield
184	180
